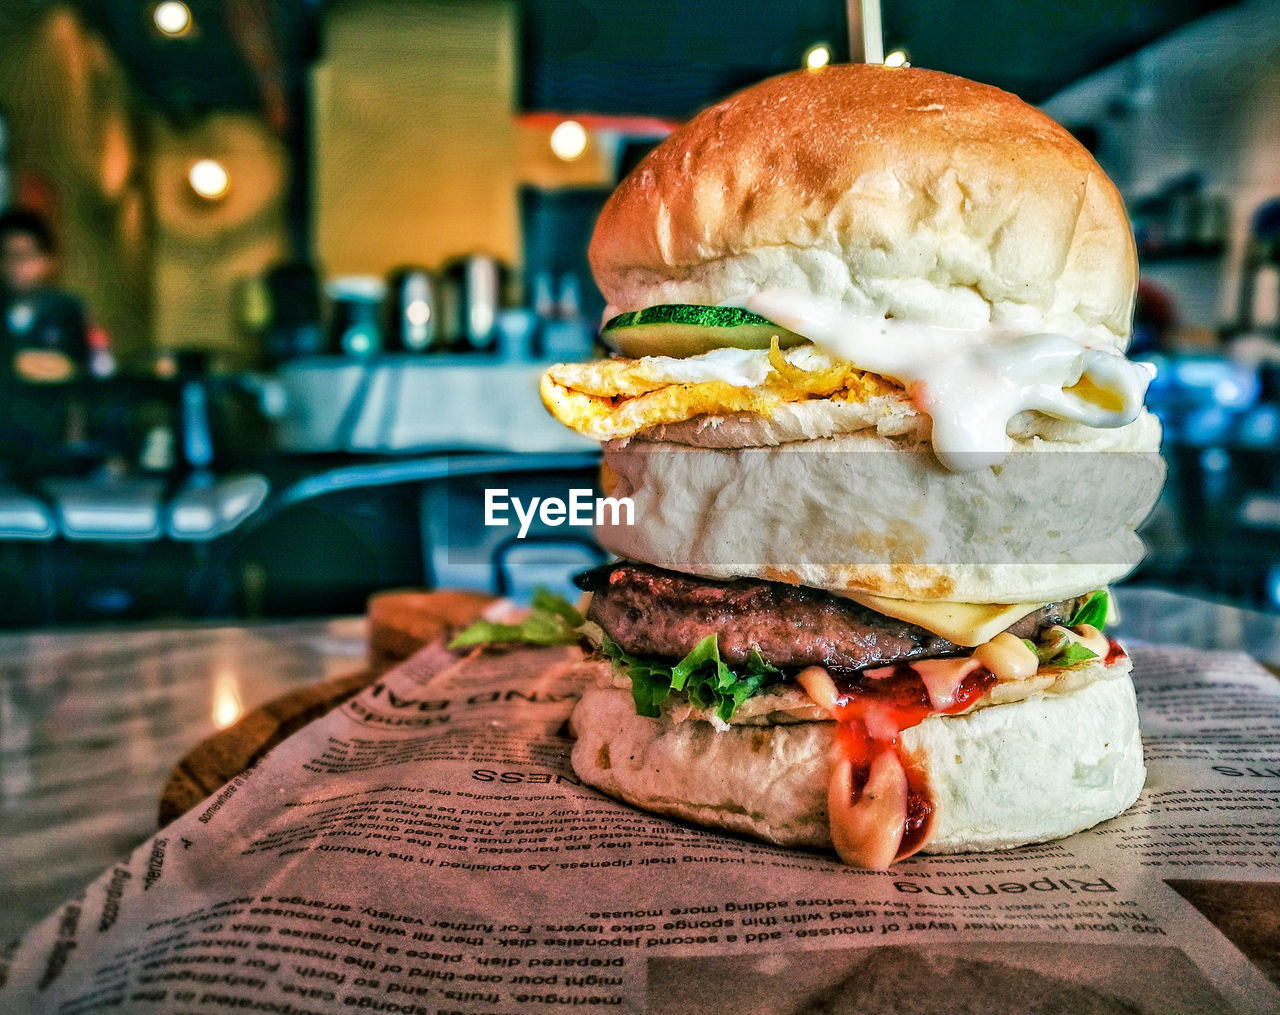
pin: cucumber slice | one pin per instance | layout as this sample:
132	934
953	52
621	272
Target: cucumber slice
685	329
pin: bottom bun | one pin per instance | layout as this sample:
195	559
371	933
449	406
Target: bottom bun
1000	776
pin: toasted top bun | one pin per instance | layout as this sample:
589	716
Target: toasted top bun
899	191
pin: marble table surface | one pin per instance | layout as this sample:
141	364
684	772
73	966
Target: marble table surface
92	722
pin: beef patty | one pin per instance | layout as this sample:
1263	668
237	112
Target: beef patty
652	612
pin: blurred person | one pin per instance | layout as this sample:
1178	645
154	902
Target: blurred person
43	328
43	347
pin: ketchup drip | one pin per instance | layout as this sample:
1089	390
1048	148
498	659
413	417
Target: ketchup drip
873	709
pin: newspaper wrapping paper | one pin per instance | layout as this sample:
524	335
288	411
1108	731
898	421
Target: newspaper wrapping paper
427	849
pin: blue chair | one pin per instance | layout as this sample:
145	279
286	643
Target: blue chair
107	509
23	516
548	561
208	507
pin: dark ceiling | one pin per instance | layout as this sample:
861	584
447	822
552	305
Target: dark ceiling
663	58
239	54
671	57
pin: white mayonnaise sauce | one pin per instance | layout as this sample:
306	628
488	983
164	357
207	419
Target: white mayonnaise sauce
971	382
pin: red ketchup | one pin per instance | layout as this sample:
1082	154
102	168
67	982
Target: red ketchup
879	802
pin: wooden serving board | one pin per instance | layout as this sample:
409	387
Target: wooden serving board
400	623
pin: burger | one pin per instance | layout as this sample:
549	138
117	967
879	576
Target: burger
869	399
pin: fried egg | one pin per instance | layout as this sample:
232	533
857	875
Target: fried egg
619	398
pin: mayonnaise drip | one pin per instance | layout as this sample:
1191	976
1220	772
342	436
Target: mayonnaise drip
971	382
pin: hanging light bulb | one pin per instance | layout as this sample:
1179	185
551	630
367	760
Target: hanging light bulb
817	56
209	178
172	17
569	140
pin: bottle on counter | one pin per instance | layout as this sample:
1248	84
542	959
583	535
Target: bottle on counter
475	292
289	317
357	306
413	312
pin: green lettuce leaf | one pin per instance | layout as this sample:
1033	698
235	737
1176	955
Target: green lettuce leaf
649	689
1093	611
1072	654
705	679
702	676
553	621
546	601
1068	654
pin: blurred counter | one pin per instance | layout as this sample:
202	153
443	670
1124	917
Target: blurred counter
92	723
401	404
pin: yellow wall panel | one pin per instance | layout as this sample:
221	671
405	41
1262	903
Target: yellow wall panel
415	136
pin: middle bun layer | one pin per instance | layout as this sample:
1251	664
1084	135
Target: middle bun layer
861	512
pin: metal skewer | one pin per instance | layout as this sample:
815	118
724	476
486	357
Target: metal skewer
866	35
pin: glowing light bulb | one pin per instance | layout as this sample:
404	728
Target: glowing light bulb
209	178
898	58
817	57
172	17
569	140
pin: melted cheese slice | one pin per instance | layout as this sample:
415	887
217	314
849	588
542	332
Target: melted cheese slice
968	624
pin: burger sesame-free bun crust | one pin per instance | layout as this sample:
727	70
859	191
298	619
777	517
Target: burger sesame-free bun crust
1001	776
865	512
902	191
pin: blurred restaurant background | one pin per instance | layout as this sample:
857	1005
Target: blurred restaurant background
281	275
